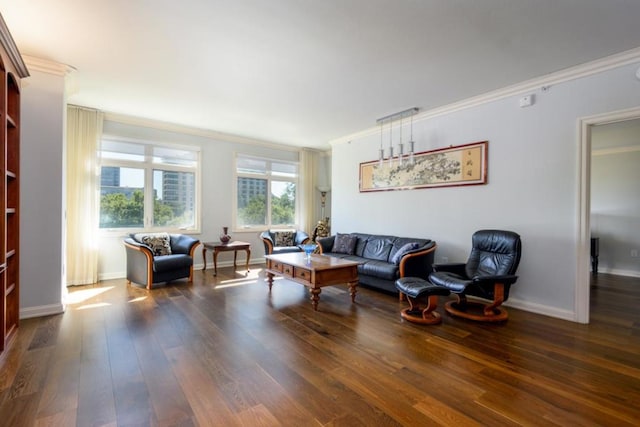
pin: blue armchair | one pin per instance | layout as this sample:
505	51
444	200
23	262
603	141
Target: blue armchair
159	257
281	242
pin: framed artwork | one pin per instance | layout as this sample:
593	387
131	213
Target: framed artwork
444	167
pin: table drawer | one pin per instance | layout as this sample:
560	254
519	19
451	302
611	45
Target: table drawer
275	265
287	270
303	274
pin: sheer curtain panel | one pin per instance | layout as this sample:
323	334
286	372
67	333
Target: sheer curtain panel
84	130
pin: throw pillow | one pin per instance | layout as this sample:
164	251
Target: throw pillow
160	243
344	244
285	238
403	251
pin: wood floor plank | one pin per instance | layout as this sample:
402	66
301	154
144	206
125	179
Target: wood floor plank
224	350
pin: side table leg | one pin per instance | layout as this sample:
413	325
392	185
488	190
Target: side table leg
270	280
315	297
215	262
235	256
248	251
204	258
353	289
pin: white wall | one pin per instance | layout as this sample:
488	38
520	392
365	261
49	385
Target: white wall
532	188
41	258
615	196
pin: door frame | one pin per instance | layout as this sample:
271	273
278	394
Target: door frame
582	296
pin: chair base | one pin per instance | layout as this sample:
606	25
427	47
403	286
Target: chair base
422	317
477	311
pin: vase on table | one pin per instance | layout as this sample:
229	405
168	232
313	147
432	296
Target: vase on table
224	237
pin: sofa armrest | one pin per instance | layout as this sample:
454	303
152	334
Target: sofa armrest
326	244
419	262
139	262
267	241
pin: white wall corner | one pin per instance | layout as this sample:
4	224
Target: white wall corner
43	310
544	310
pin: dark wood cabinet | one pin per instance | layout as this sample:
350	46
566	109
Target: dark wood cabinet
12	70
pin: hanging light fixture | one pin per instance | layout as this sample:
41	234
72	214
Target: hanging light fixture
401	155
381	154
411	145
391	144
400	146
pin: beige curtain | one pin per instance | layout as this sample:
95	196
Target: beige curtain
84	129
308	165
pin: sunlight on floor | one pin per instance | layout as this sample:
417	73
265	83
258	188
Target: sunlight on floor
96	305
250	279
76	297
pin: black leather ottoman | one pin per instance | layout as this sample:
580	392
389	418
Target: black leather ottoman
417	289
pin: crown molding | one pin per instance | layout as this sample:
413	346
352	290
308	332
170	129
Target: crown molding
587	69
47	66
172	127
10	47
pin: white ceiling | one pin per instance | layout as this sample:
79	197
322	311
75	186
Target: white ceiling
304	72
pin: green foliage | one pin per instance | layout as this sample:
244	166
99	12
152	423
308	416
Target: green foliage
119	211
255	212
283	208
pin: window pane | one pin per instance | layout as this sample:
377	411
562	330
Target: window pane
250	165
175	156
252	201
284	169
121	197
121	150
174	199
283	203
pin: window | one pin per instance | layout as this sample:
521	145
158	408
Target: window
147	186
266	193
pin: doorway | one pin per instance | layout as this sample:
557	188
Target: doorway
584	220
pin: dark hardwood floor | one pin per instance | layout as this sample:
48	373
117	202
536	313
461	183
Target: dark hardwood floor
224	352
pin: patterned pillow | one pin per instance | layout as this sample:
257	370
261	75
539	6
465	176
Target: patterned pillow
344	244
285	238
405	249
160	243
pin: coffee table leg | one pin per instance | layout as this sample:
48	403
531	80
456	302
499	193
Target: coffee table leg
353	290
270	280
204	258
215	262
315	297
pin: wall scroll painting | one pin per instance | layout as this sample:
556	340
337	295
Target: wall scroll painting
444	167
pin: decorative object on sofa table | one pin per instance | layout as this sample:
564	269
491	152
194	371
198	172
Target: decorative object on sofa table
444	167
224	237
308	249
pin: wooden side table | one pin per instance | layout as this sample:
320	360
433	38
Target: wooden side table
218	247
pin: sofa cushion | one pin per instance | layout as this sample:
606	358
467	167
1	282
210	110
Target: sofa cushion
171	262
381	269
284	238
344	244
408	247
160	243
378	248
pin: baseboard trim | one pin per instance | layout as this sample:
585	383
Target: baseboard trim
43	310
618	272
542	309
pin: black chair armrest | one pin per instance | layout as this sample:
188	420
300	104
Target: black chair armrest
326	243
267	241
418	263
454	267
183	244
131	243
301	237
506	279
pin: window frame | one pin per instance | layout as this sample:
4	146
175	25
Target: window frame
270	177
148	166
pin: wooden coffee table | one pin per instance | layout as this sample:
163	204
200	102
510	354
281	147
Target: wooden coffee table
320	271
218	247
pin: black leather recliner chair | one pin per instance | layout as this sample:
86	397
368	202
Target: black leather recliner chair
147	268
488	274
